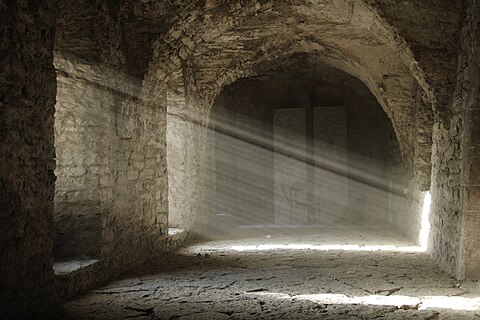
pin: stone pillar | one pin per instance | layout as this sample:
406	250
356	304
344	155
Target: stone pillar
27	99
469	264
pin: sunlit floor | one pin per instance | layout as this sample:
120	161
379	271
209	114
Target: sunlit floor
342	273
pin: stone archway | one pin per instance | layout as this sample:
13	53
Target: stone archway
204	53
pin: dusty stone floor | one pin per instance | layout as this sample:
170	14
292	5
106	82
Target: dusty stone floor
285	277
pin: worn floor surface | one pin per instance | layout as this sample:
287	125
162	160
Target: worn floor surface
329	274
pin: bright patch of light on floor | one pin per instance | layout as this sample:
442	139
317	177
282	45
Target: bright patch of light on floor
399	301
327	247
375	300
454	303
425	224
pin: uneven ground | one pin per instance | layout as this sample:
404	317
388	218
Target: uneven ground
285	277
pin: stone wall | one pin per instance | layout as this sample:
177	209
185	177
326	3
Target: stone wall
111	196
27	99
190	160
118	62
177	157
406	203
183	125
468	88
189	166
84	123
454	180
446	193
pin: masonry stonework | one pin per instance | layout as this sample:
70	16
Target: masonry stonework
454	216
27	99
106	109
